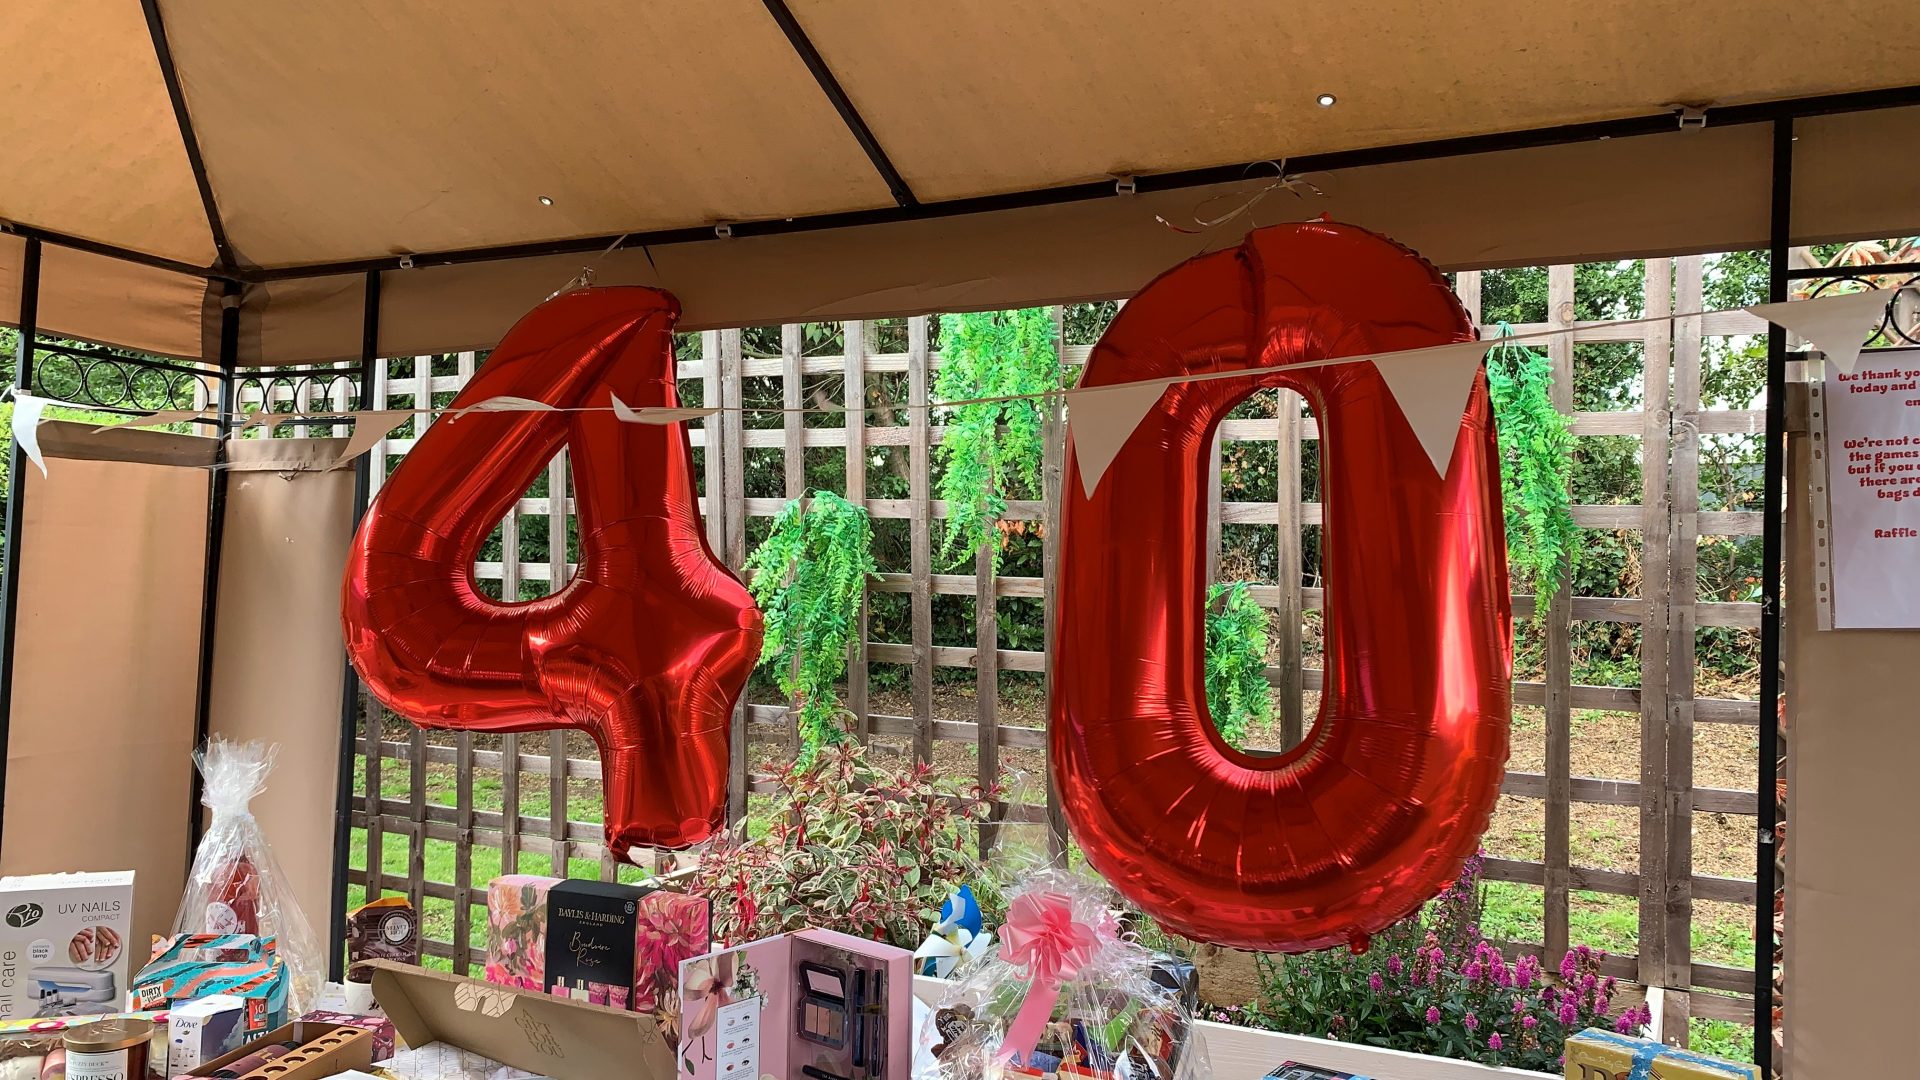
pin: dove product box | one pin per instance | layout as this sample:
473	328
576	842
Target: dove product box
64	942
530	1030
810	1005
201	1030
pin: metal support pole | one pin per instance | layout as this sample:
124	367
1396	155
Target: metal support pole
216	526
350	680
1772	518
16	503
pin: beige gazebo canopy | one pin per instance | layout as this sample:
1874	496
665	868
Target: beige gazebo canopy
873	156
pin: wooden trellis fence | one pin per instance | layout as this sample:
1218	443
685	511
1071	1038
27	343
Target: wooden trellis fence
432	819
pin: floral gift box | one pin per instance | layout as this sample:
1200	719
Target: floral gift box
610	944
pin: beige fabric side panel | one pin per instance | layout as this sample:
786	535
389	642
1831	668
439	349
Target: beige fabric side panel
1856	176
108	301
1853	887
106	666
1654	194
277	655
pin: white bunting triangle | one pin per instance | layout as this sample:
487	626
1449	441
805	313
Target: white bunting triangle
368	429
1100	420
26	427
503	403
1837	325
654	414
1431	388
157	419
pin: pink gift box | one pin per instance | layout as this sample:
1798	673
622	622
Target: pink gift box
668	927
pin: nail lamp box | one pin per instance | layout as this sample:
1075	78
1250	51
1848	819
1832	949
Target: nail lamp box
529	1030
1604	1055
64	943
810	1005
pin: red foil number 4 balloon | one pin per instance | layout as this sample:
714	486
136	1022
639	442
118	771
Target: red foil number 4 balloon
1389	793
646	648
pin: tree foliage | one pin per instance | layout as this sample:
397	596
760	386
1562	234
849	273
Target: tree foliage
1536	463
991	448
809	577
1238	696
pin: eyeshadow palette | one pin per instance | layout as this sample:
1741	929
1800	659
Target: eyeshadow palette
823	1005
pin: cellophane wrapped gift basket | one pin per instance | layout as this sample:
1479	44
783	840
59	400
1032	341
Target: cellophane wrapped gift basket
1066	994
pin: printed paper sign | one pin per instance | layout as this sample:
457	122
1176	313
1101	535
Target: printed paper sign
1869	421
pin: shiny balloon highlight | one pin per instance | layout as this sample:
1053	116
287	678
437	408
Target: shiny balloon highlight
1390	791
646	647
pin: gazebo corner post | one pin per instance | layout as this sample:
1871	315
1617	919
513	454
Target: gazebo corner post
16	503
1771	561
350	679
230	297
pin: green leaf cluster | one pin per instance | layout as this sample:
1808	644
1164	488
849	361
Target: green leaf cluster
1238	695
809	577
1536	464
990	445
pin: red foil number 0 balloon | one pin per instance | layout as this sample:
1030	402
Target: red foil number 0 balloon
649	644
1389	793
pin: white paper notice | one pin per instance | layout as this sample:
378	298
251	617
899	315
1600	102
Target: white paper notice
1870	426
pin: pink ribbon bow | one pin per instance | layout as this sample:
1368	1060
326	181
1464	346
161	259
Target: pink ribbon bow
1042	936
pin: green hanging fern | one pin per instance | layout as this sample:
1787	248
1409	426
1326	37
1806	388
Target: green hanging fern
990	445
809	577
1238	695
1536	458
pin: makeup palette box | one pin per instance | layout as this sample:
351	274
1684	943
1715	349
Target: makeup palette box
65	939
595	941
810	1005
1604	1055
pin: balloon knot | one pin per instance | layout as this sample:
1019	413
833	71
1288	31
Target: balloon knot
1359	942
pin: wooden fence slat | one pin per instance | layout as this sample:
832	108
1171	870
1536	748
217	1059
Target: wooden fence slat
510	744
920	484
1656	588
1559	658
793	456
558	570
733	478
1683	547
1288	572
855	398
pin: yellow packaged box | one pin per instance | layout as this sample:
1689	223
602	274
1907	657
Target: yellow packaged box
1603	1055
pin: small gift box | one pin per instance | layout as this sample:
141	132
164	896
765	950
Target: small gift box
1604	1055
596	941
1064	995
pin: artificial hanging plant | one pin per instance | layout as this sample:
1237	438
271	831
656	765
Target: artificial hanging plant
989	445
809	577
1536	464
1238	695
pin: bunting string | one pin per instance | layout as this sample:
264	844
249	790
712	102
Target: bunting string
1431	385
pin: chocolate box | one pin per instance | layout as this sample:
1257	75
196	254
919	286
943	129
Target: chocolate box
600	942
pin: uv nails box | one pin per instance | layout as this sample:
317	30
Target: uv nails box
64	940
810	1005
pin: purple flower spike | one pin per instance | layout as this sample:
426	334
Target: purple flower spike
1376	983
1433	1014
1394	965
1493	1041
1568	1014
1470	1021
1529	1023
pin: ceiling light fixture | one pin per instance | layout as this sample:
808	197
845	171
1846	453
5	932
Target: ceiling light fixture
546	200
1325	101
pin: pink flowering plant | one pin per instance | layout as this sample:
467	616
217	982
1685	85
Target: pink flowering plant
1432	985
855	846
